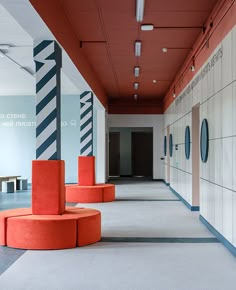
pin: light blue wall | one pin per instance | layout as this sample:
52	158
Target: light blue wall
17	131
70	136
17	145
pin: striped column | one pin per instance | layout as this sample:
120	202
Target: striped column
48	59
86	124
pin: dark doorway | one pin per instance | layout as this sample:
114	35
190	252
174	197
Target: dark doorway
142	154
114	154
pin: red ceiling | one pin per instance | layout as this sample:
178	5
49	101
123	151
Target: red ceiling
113	23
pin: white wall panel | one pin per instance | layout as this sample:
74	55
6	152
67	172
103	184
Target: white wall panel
228	214
217	74
234	164
234	107
210	82
217	99
227	71
227	111
234	218
234	53
218	191
218	170
211	116
211	203
227	162
205	91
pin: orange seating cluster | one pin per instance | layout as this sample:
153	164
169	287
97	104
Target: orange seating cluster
49	225
76	227
87	191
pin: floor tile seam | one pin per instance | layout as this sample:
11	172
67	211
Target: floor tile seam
199	240
130	199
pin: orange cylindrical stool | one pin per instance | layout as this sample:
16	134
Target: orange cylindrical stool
48	189
86	170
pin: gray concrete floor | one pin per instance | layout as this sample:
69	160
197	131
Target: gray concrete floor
151	264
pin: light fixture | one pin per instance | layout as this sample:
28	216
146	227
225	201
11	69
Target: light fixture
192	67
136	71
165	49
137	48
135	97
154	81
174	95
139	10
147	27
135	86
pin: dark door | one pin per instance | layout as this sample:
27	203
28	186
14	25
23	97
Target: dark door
142	153
114	154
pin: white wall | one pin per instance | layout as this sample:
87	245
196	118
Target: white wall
154	121
100	142
216	93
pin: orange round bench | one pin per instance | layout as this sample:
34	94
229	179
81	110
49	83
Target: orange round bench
91	193
74	228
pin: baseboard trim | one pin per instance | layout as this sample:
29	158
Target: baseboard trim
189	206
218	235
166	183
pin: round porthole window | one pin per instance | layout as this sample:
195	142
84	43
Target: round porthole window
187	142
204	142
171	145
165	145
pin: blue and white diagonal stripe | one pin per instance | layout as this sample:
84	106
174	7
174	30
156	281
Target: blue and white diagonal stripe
47	107
86	124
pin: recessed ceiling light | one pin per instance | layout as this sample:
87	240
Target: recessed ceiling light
137	48
154	81
139	10
136	71
135	86
147	27
164	49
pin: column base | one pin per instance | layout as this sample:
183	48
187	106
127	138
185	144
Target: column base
90	194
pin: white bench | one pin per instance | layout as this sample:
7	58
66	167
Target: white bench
7	186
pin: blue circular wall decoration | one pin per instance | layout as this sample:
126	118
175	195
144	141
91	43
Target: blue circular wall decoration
165	145
171	145
187	142
204	142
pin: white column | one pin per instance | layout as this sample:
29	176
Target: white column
101	147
